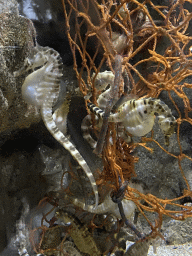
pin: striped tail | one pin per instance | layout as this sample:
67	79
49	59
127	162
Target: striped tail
102	208
46	112
107	206
96	110
86	127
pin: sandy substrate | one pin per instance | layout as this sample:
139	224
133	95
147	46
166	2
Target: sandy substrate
172	250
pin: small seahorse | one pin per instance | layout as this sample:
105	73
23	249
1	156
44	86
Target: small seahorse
138	118
41	89
101	81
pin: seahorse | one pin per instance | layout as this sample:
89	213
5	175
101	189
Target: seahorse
102	80
138	118
41	89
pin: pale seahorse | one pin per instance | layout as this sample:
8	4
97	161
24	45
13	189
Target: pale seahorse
41	89
137	116
102	80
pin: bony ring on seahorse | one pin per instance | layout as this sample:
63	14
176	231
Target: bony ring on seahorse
41	89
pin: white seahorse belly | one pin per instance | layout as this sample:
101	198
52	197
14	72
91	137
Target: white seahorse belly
136	122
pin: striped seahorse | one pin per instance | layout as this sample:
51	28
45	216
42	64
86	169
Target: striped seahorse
102	80
137	116
41	89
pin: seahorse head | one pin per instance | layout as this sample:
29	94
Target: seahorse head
167	125
37	61
103	79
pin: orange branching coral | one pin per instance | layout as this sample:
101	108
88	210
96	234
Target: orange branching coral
98	31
